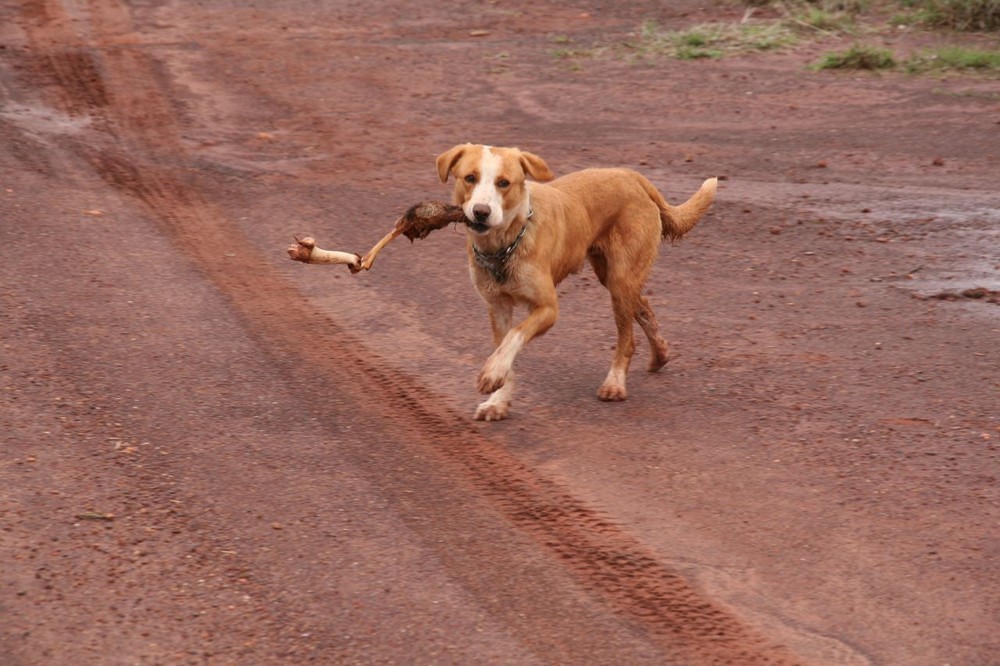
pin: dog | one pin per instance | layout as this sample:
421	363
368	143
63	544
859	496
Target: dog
525	236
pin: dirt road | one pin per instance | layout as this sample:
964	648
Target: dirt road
212	455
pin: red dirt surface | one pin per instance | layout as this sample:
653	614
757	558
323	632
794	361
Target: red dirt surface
213	455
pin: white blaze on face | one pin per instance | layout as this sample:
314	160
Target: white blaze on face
485	191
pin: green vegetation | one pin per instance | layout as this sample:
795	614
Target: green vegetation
710	40
812	20
822	16
969	15
943	59
965	15
800	19
955	58
830	6
858	57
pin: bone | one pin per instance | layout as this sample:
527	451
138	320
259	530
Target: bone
306	251
416	223
369	258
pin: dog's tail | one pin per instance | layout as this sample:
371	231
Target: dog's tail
678	220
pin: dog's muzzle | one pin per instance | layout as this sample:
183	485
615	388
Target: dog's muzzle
478	221
481	213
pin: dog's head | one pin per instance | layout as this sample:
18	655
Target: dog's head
490	182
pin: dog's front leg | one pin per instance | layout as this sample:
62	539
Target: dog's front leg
497	405
541	317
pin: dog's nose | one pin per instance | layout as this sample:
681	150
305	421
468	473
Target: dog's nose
481	212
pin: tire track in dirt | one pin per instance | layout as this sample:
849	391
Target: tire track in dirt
116	85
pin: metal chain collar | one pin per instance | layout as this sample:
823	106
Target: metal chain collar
495	263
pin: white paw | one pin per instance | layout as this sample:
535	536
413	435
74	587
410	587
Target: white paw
489	411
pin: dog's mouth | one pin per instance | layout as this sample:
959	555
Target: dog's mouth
478	227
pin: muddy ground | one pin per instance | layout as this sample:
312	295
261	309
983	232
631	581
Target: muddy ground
213	455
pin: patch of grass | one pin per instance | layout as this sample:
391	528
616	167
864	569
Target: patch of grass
821	20
695	43
805	20
710	40
825	16
838	15
848	6
858	57
768	37
903	20
955	58
966	15
567	52
951	58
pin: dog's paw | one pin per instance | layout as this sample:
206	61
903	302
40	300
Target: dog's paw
610	392
659	357
656	363
489	382
490	411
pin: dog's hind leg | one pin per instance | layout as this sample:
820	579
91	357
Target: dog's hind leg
626	305
658	347
613	388
622	263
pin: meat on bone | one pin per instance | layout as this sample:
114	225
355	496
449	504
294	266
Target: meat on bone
417	222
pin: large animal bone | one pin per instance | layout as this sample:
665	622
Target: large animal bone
305	250
417	222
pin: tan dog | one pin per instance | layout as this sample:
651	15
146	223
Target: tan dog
525	237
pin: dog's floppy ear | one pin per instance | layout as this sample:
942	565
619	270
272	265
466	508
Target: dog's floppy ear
536	167
446	160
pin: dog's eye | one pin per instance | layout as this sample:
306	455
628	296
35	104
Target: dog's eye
470	179
503	183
